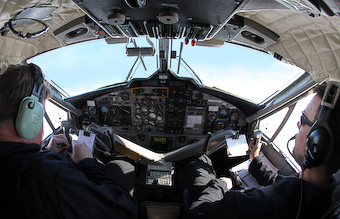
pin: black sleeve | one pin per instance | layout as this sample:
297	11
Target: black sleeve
262	172
94	172
92	193
215	202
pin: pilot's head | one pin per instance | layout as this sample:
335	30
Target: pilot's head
15	85
309	116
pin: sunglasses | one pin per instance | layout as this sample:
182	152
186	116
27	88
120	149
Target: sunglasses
305	120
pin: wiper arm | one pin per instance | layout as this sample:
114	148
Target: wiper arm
133	69
140	52
180	57
189	69
141	58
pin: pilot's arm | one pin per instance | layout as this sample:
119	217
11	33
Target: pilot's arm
85	190
80	151
258	168
254	148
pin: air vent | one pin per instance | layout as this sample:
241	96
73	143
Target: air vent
74	31
255	35
252	37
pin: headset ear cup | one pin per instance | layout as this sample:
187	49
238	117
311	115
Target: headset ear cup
318	145
30	117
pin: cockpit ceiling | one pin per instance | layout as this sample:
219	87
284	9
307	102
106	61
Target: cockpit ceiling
312	43
13	49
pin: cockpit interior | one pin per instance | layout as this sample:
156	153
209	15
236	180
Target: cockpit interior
157	120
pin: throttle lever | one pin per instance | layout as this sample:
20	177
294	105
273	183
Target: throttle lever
66	130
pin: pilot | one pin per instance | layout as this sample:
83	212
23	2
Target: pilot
38	183
306	196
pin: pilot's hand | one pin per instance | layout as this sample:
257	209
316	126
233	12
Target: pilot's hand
80	151
254	148
58	143
228	181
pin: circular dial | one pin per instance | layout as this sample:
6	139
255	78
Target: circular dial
138	111
152	109
223	113
144	101
125	96
92	110
144	108
234	116
152	115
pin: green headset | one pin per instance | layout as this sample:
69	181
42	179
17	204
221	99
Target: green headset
30	115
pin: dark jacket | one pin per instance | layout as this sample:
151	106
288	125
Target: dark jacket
278	200
43	184
263	174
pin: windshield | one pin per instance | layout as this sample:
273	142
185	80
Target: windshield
94	64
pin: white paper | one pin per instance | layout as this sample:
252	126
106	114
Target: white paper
88	140
237	147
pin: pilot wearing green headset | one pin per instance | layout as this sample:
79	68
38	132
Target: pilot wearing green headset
40	183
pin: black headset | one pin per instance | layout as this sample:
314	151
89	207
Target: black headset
320	139
30	115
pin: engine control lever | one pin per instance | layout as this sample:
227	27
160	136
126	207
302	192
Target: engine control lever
66	130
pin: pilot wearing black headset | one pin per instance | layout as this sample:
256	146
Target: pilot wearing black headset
44	184
307	196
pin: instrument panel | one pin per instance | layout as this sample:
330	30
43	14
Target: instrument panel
162	118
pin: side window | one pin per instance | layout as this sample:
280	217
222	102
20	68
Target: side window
270	124
56	115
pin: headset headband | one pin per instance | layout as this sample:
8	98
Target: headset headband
38	78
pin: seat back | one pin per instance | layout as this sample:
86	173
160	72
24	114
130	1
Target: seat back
334	209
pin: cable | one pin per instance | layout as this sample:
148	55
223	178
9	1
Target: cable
298	161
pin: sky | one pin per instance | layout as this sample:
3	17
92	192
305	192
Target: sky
91	65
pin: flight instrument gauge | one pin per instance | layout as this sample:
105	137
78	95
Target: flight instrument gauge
152	115
138	111
92	110
234	116
144	108
125	96
223	114
152	109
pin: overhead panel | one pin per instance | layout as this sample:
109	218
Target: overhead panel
191	19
